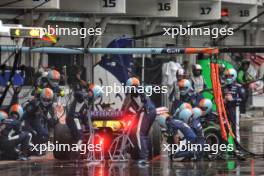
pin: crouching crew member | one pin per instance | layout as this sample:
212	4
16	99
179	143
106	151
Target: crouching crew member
194	121
196	125
14	142
182	134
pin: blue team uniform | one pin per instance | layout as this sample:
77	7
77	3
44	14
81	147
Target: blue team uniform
11	136
189	135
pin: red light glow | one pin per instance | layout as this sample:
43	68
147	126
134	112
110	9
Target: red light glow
224	12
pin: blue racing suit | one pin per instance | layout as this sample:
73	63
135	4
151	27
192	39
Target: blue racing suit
198	129
237	92
145	110
37	119
177	127
78	115
12	139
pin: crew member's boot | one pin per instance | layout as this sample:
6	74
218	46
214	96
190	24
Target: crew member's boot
144	152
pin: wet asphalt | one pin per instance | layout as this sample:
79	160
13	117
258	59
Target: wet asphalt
252	138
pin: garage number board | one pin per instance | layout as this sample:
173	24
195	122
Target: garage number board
238	2
152	8
240	13
199	10
28	4
94	6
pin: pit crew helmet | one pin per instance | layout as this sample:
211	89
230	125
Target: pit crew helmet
185	105
54	77
46	96
94	92
197	112
185	115
162	119
197	69
3	115
181	107
16	111
230	75
185	86
180	74
133	83
205	105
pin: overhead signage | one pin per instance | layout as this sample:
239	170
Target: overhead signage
152	8
200	10
94	6
240	13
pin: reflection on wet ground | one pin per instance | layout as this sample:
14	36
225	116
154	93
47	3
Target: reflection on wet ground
250	167
252	138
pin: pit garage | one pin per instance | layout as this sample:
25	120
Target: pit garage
122	87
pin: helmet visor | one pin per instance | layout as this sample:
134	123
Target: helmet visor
229	76
55	81
46	101
14	115
203	108
183	88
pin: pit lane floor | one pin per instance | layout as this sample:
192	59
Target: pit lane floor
252	137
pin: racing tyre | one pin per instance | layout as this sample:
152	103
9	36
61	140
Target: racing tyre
212	136
155	135
62	135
